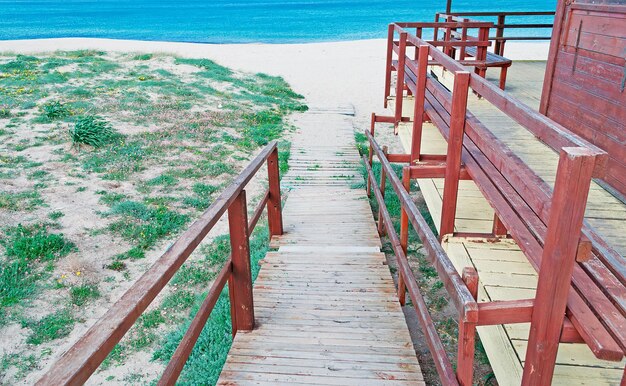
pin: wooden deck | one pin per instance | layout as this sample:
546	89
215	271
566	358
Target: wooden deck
504	271
325	303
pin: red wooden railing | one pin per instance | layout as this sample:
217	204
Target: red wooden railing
84	357
576	268
501	25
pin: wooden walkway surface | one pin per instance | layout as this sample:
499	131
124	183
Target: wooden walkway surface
325	305
504	271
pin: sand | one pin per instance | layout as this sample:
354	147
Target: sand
328	74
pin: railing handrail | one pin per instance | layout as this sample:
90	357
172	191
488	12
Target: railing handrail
533	13
445	24
500	26
442	362
550	132
463	300
84	357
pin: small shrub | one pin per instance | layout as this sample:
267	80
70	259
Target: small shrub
5	112
56	215
142	57
82	294
55	110
117	266
144	225
91	130
50	327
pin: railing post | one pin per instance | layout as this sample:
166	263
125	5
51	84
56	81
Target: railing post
499	229
436	29
467	334
571	188
390	33
400	80
481	51
371	153
455	149
231	296
241	295
274	210
499	45
418	107
404	231
383	183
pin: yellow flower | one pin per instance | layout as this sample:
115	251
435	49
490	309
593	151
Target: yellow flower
77	273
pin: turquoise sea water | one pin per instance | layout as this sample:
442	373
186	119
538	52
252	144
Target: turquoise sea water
228	21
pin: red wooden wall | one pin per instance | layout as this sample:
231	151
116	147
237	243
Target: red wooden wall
584	83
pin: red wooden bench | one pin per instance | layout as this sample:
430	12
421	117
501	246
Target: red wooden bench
484	58
581	292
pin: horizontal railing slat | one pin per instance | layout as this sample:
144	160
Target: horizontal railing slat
438	351
178	360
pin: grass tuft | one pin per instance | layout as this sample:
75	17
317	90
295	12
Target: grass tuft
82	294
53	326
91	130
26	251
54	110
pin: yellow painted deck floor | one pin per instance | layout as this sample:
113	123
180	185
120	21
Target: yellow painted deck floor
504	272
325	304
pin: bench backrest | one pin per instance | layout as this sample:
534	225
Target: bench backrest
453	36
526	204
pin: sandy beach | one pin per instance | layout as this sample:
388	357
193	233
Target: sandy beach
327	74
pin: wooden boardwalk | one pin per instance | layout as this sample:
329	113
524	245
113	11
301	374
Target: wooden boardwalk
504	271
325	305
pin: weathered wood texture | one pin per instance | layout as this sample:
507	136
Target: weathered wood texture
504	271
584	84
326	308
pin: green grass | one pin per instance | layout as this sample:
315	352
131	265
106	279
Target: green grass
22	201
51	327
54	110
210	69
145	225
83	294
55	215
30	252
92	130
142	57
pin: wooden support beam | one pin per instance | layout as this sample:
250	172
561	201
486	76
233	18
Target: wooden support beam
434	169
383	183
499	229
569	200
404	230
400	81
455	148
370	157
388	65
467	334
274	206
420	96
242	273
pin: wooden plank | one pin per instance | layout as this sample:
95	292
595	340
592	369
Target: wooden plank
325	303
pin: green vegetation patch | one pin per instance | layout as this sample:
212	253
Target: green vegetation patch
84	293
51	327
30	252
21	201
93	131
144	225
